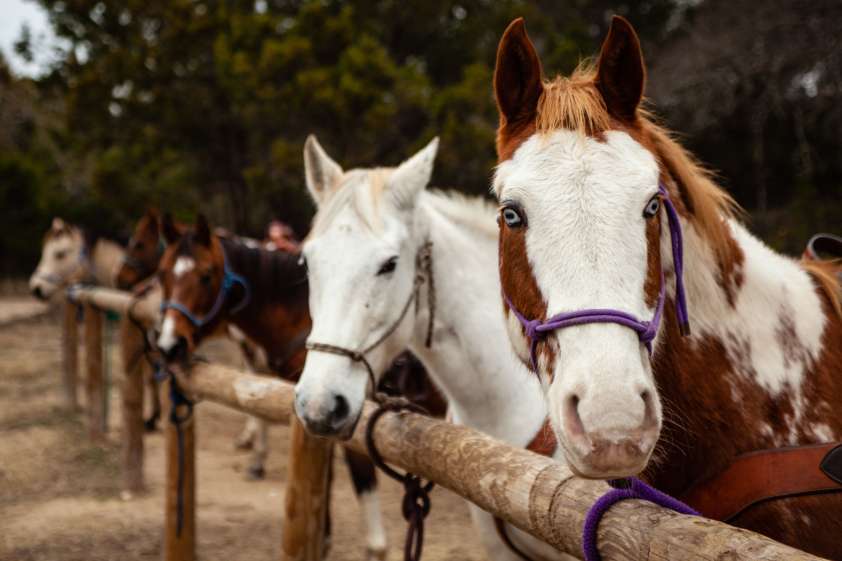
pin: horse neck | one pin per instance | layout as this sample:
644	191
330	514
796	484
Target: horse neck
277	311
470	358
747	375
105	257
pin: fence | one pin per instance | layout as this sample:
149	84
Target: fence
531	492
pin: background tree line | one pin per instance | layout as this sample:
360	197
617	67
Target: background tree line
199	104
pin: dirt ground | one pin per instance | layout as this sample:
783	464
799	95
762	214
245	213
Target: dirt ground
60	495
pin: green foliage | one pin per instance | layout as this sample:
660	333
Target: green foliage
200	105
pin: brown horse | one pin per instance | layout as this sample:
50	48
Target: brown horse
210	281
143	252
595	197
139	264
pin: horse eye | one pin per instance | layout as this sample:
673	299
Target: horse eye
388	266
138	246
652	207
513	217
60	255
205	278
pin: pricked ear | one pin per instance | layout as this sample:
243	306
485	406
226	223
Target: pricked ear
202	231
320	171
57	225
621	74
412	176
169	230
153	218
517	75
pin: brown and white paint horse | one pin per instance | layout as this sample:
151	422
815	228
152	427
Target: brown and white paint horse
583	227
270	308
139	264
70	255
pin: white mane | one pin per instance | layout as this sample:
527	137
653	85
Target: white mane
475	213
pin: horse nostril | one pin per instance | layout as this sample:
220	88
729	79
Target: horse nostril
38	293
340	409
649	415
177	351
572	420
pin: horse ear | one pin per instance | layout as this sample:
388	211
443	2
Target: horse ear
57	225
153	218
320	171
202	232
412	176
517	75
621	74
169	230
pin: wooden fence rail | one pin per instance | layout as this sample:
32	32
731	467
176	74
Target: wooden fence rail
532	492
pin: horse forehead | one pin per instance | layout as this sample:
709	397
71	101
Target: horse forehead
183	264
61	241
567	166
348	234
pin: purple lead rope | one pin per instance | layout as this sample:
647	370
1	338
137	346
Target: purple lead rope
623	489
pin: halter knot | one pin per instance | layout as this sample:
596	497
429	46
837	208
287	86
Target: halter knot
533	329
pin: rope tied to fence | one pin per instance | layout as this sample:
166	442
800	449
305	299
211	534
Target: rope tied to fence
621	490
177	399
416	499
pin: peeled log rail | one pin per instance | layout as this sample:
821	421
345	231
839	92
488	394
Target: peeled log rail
532	492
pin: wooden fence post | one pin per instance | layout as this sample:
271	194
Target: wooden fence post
180	502
131	394
306	502
70	351
94	380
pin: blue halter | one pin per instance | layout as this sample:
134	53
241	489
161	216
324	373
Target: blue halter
229	279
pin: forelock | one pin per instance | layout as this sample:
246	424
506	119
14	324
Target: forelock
573	103
361	190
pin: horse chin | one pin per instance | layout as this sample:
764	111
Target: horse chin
604	468
348	430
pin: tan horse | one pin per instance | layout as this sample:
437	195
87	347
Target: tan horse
70	256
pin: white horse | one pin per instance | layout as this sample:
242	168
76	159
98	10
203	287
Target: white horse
361	253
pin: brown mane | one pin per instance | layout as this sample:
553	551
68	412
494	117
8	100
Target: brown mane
826	274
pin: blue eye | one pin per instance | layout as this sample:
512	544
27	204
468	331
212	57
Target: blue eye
652	207
512	216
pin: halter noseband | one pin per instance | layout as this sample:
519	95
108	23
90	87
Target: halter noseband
423	271
229	279
646	331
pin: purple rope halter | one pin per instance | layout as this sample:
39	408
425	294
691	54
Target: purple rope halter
229	279
537	329
623	489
